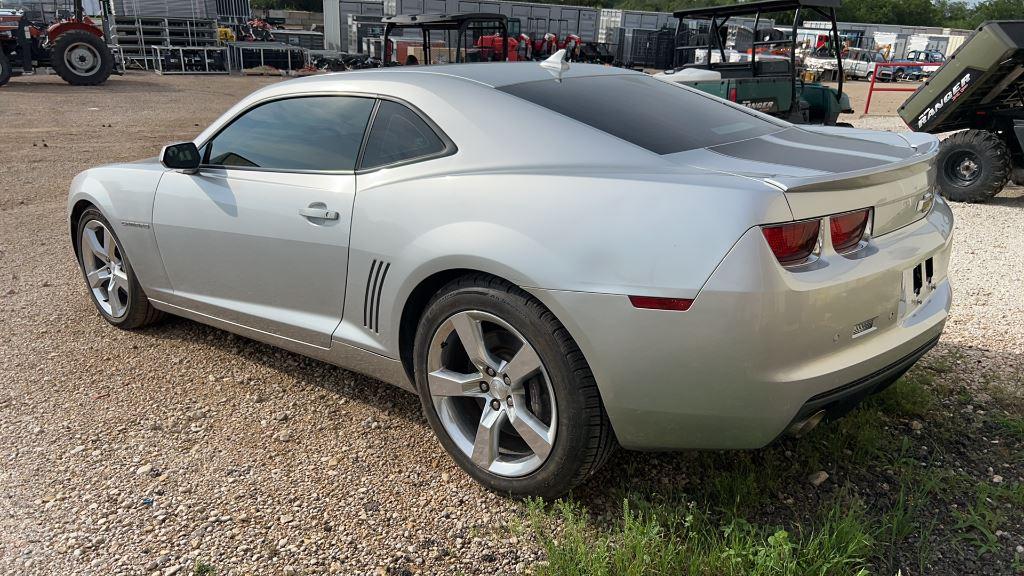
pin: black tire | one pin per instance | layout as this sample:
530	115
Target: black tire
73	39
139	311
986	153
584	439
5	68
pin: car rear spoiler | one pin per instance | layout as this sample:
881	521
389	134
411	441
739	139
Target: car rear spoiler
926	149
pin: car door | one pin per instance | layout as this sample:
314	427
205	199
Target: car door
259	236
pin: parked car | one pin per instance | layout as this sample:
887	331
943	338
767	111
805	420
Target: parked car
660	269
860	63
909	68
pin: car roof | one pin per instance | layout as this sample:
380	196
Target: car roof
493	74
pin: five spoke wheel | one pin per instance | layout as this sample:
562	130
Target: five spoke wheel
104	269
491	393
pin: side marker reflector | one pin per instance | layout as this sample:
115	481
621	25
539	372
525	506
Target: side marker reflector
655	303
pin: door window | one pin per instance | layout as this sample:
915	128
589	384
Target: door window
305	133
398	134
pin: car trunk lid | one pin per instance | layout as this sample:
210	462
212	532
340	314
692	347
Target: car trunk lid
826	171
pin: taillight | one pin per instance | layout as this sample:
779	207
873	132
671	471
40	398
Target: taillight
794	242
848	229
656	303
732	94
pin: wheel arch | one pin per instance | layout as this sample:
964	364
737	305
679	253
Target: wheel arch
416	304
79	207
56	30
419	297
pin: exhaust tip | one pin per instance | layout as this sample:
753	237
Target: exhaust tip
798	429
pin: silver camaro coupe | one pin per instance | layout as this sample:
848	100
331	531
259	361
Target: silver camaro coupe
555	265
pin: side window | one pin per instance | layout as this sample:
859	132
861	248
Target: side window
398	134
303	133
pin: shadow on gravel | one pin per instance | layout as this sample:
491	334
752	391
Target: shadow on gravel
332	379
925	478
52	84
1013	198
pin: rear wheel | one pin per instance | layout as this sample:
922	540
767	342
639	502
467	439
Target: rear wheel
507	391
5	68
81	58
973	166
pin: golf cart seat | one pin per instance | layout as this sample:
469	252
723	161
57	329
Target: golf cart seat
763	68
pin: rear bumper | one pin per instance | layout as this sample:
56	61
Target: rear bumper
760	343
841	400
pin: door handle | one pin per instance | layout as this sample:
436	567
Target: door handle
320	213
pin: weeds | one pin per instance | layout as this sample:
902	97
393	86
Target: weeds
666	538
730	522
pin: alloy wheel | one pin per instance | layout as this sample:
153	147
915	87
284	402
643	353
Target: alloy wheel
491	393
104	269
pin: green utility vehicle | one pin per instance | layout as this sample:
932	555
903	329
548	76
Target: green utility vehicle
979	93
760	69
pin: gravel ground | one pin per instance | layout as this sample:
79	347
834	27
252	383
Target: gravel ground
143	452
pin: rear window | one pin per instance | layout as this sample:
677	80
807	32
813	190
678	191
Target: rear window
644	111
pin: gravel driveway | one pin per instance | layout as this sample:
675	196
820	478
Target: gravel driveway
145	452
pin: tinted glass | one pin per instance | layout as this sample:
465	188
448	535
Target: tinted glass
315	133
398	134
656	115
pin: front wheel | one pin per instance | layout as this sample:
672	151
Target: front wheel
507	390
973	166
81	58
113	287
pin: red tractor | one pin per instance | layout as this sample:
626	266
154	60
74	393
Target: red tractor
74	46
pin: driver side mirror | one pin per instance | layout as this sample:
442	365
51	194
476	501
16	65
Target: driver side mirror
183	156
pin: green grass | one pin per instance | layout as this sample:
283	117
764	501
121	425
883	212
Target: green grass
732	521
977	524
910	396
1012	424
203	569
669	537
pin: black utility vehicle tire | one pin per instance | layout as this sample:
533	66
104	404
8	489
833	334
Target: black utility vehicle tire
139	312
584	437
973	166
5	69
68	40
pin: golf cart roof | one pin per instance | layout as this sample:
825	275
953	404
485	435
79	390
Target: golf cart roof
754	8
441	19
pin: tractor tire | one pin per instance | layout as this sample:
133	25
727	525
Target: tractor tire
5	69
82	58
973	166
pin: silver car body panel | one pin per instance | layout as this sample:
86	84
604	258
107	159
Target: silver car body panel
577	217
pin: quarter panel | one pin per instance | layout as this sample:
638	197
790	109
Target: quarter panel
614	232
124	194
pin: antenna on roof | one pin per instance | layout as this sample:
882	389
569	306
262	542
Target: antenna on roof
556	64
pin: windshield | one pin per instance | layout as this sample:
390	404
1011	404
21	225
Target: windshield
660	116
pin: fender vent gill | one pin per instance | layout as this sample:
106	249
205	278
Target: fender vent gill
371	300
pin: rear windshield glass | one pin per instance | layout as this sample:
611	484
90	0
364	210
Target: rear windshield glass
647	112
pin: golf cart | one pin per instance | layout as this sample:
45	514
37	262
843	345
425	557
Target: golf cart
979	93
447	38
761	73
